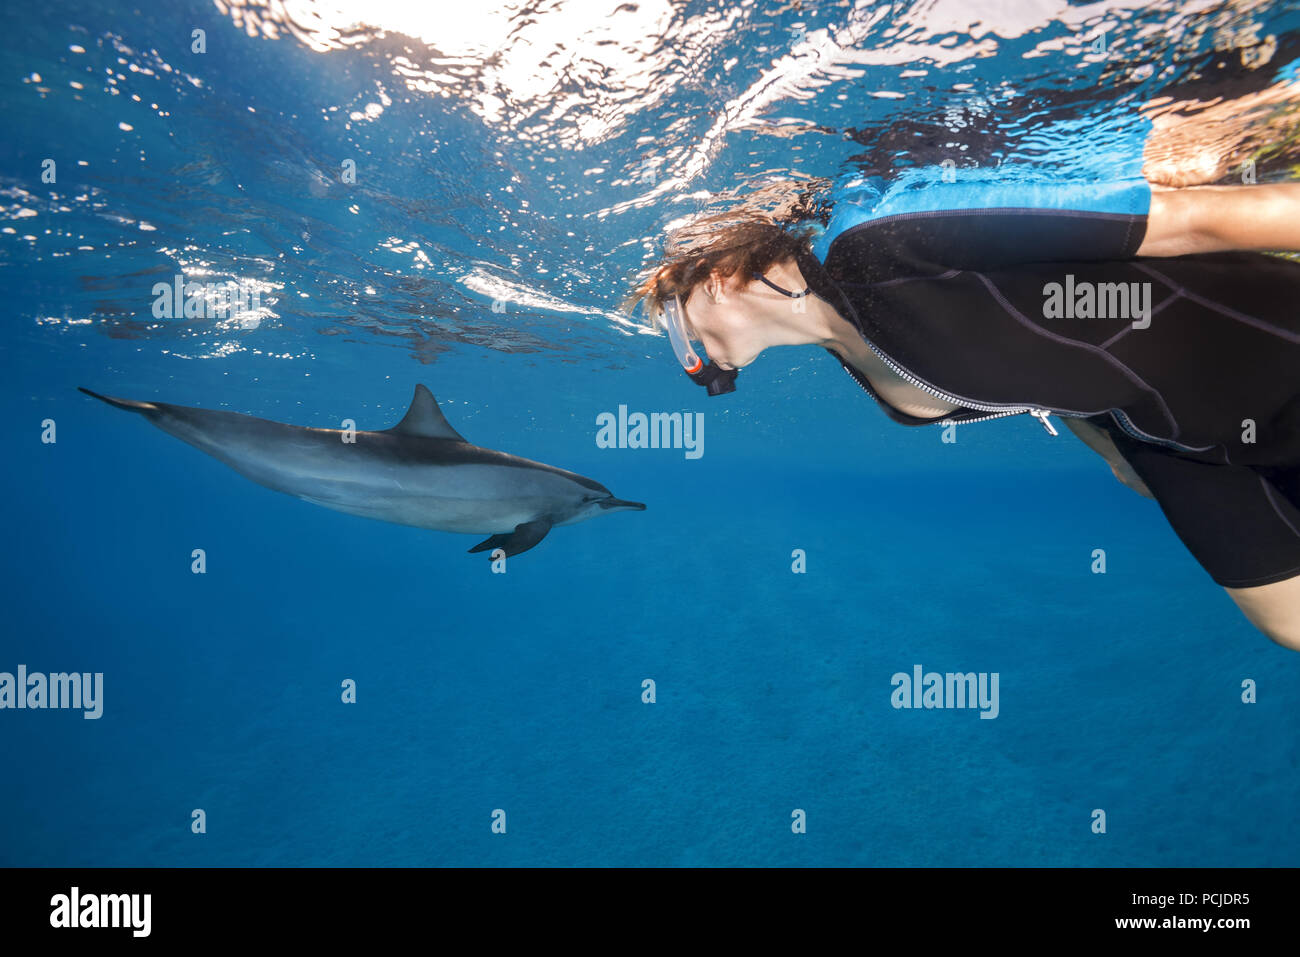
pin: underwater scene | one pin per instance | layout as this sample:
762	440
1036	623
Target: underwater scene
401	538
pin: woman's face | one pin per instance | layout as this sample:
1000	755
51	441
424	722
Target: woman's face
730	318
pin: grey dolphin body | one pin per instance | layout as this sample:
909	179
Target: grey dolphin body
420	472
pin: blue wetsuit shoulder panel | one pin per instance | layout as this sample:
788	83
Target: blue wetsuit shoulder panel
856	206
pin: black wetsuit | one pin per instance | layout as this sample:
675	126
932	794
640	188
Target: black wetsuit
1204	403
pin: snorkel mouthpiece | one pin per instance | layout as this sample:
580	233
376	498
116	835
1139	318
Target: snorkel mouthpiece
712	377
715	379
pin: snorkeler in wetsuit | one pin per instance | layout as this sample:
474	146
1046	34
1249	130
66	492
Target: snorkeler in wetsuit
1144	319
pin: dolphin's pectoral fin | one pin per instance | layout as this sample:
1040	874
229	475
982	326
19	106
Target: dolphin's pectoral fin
524	537
424	418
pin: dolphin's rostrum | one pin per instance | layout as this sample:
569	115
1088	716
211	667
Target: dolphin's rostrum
420	472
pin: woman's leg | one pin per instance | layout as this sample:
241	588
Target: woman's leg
1273	609
1243	529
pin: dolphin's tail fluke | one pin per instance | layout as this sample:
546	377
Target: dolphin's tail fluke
131	405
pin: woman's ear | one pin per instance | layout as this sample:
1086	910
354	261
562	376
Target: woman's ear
714	287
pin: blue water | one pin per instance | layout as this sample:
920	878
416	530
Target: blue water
523	691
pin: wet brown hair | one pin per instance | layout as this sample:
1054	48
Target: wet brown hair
728	243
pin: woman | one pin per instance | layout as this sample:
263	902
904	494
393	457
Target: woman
1140	317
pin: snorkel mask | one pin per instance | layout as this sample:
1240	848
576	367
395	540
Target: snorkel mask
714	378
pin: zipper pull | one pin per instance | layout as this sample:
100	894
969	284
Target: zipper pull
1041	415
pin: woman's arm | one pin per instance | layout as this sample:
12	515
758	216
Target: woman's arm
1208	219
1101	443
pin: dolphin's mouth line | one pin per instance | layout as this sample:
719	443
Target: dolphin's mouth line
621	503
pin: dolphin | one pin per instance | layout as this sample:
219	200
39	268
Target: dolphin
420	472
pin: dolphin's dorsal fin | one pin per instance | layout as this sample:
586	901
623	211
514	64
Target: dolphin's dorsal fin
424	418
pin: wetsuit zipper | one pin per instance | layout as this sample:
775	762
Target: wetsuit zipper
1118	416
999	411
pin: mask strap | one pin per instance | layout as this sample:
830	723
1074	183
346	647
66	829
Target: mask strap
785	292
